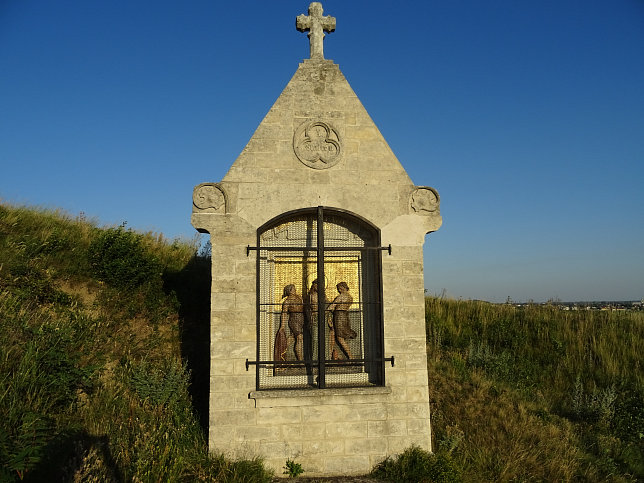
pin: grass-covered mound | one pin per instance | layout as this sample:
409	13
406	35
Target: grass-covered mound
537	393
104	372
99	328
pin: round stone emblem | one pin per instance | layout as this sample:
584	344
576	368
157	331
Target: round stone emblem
424	200
317	144
208	195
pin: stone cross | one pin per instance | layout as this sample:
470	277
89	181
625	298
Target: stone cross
316	24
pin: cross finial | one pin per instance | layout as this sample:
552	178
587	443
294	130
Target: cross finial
316	24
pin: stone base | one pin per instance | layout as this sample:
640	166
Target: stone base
329	432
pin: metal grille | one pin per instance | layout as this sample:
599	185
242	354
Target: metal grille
349	302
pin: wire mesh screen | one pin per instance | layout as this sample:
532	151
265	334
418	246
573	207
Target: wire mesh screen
291	293
287	329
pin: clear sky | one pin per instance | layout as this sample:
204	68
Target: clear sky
526	116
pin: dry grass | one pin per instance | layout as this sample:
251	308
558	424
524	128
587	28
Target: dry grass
535	393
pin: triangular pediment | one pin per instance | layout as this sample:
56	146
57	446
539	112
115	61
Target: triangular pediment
318	145
317	122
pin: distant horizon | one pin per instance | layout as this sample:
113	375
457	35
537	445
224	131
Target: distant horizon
525	117
532	301
448	296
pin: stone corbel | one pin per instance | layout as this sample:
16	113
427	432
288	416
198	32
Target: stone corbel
209	198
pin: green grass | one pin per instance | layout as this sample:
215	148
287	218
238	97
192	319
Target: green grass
537	393
104	372
95	358
415	465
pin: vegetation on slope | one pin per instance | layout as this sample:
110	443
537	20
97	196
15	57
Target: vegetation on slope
537	393
98	329
104	372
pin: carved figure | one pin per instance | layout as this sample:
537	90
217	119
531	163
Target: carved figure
311	305
340	329
316	24
293	316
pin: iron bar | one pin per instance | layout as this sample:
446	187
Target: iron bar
321	300
328	249
327	362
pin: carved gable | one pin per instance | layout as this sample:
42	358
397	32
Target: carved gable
318	146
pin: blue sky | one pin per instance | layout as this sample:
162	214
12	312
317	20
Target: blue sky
527	116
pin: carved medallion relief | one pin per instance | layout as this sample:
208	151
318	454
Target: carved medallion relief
317	144
424	200
209	196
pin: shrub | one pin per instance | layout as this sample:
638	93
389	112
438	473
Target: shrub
293	469
416	465
598	405
628	420
118	257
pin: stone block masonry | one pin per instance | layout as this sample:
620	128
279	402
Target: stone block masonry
317	147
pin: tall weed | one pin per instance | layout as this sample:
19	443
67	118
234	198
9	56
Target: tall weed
41	372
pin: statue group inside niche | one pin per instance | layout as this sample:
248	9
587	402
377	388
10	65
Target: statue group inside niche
302	315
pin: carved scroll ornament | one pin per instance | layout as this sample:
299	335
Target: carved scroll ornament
424	200
209	196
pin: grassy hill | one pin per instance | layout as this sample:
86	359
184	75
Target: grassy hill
102	330
537	393
103	372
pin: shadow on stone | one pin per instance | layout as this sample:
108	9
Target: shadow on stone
192	287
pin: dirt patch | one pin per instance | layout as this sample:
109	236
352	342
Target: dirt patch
85	292
327	479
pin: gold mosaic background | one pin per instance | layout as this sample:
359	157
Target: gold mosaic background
301	272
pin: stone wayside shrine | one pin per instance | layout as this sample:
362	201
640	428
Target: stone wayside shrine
317	310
